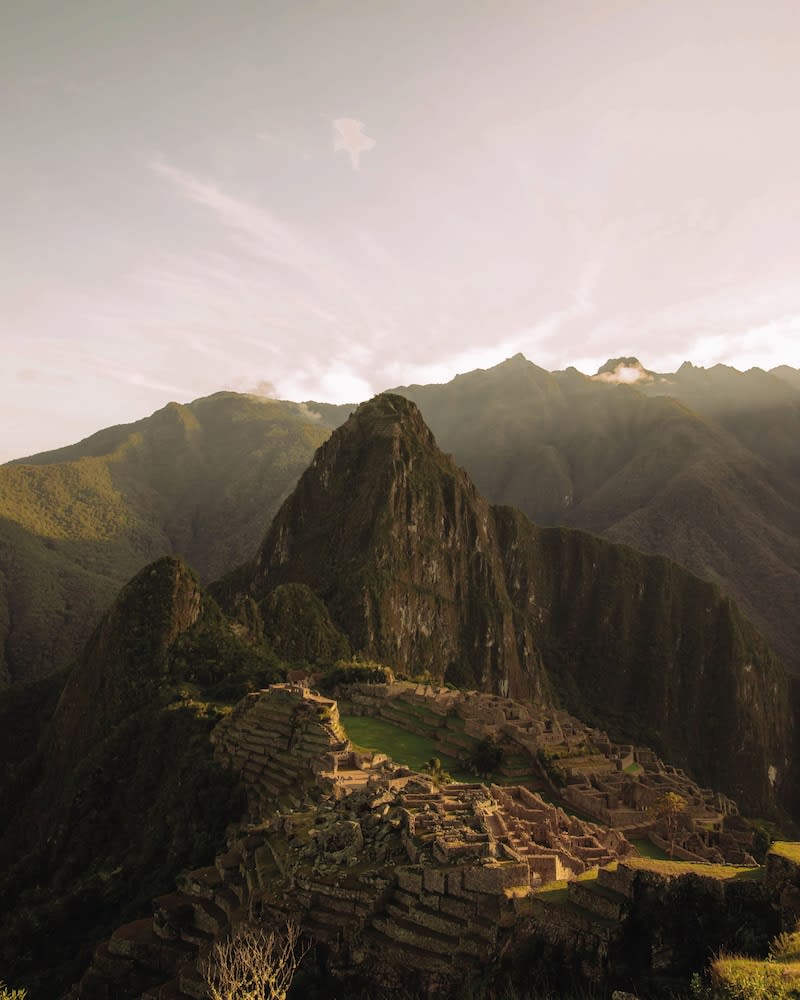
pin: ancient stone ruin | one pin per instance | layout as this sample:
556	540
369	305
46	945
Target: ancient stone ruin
385	867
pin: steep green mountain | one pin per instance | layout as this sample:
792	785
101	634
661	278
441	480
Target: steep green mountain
761	410
420	572
201	481
715	489
384	547
122	792
393	536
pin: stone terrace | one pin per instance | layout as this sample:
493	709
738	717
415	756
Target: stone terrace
383	866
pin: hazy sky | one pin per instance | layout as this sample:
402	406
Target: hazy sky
322	200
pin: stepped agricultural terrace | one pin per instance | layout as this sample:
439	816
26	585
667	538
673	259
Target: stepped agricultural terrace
384	867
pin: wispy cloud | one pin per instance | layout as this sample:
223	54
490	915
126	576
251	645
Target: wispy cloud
351	139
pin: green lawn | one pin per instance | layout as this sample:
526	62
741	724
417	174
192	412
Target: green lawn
648	850
695	868
403	747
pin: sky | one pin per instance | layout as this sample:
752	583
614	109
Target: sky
321	200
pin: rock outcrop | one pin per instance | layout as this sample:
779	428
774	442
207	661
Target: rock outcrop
394	537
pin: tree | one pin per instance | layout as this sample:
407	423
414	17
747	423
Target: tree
437	772
254	964
485	758
667	808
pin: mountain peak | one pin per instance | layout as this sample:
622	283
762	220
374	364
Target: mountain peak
395	539
623	371
125	657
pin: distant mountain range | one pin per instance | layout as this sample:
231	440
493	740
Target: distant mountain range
202	480
383	546
420	572
108	785
700	465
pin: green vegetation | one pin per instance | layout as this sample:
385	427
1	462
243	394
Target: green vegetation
673	868
647	849
202	480
484	758
355	671
667	809
147	801
787	849
298	627
736	978
402	746
123	791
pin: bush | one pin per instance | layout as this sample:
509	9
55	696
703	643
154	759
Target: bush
8	994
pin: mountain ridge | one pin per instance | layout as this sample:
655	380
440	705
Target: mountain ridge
417	569
200	480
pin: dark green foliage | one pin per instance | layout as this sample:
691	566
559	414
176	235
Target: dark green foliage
216	655
146	802
121	791
298	626
24	710
354	672
484	758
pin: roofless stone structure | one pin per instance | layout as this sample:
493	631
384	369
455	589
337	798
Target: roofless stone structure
386	868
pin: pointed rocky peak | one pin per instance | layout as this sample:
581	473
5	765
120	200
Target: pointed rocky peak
394	538
388	415
517	367
624	371
125	658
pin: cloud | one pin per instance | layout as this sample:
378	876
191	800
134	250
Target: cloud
627	372
271	237
351	139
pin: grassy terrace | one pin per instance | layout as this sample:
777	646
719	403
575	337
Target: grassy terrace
648	850
555	892
402	746
735	977
789	849
695	868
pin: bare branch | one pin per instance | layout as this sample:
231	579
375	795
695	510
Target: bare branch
254	964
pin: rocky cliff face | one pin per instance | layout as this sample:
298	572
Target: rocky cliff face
419	571
639	644
394	537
